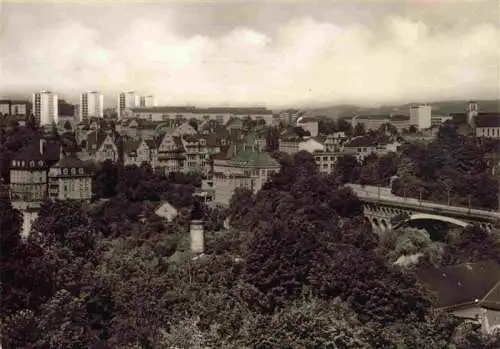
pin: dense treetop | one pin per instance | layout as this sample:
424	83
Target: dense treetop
299	267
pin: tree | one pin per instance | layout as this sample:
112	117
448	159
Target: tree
239	206
57	219
359	130
272	139
347	169
105	180
344	126
327	126
193	123
308	323
67	126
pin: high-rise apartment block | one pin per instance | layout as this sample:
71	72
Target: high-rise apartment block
91	105
147	101
127	100
45	107
421	116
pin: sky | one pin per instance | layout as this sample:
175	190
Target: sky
263	53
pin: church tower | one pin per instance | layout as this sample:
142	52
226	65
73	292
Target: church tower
472	111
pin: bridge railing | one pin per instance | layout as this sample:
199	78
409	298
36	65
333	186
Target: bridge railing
385	195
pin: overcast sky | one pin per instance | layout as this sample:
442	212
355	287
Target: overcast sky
275	53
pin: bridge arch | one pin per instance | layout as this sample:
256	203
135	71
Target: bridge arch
426	216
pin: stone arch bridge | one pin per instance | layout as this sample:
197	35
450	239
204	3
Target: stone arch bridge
381	206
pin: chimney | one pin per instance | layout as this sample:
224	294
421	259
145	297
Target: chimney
197	234
43	145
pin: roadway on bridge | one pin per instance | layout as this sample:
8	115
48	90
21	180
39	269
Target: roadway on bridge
384	193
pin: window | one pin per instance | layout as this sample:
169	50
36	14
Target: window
80	170
73	171
65	171
40	163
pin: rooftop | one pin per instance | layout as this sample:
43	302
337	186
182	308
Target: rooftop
71	161
488	120
186	109
460	284
255	159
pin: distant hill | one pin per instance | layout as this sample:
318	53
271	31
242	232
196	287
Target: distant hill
440	107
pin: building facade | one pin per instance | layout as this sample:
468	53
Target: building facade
45	107
247	169
126	100
17	108
221	115
421	116
91	105
147	101
487	125
70	179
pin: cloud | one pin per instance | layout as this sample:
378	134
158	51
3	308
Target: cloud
304	62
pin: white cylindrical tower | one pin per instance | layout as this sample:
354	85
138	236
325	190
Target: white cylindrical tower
197	234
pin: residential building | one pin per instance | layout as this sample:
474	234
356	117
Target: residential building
195	151
335	141
102	145
137	151
70	179
247	168
126	100
326	160
138	128
487	125
374	122
469	291
147	101
91	105
28	171
438	120
362	146
490	305
45	107
221	115
171	154
289	144
421	116
15	108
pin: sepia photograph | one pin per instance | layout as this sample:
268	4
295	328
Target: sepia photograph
250	174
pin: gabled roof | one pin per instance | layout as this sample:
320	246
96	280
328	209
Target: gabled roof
131	146
488	120
233	121
492	299
208	124
167	109
361	141
178	144
190	138
253	159
462	284
96	138
71	160
374	117
32	151
153	143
